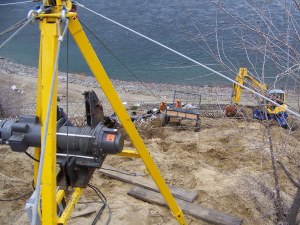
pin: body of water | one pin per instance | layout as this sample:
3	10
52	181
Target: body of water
186	26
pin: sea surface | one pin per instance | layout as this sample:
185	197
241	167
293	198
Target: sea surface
188	26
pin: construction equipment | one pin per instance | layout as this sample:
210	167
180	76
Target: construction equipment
177	111
274	112
41	131
80	150
268	109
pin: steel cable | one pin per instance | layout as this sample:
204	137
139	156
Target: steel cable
188	58
36	13
15	3
120	61
13	27
17	198
17	31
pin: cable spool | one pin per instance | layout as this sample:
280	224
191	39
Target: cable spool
102	140
97	142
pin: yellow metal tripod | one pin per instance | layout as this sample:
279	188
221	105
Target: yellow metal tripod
48	48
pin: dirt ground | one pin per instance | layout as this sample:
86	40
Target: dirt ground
227	163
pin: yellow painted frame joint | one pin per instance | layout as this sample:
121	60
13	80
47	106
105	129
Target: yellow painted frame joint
59	196
129	153
70	206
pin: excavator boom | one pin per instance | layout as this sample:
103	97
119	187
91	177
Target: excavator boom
242	78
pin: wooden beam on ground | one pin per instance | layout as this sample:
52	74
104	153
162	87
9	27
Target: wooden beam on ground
177	192
84	212
195	210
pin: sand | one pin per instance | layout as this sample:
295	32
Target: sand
227	162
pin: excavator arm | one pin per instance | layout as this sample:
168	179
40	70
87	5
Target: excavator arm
244	78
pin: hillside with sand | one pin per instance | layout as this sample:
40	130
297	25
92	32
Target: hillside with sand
227	163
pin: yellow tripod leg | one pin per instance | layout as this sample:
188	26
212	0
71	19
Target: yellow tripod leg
48	48
38	111
112	96
70	206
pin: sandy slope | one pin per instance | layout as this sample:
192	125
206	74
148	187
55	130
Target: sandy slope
234	178
227	162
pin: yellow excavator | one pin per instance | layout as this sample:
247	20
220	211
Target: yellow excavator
271	111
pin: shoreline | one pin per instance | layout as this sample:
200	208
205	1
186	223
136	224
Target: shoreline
132	92
218	94
8	66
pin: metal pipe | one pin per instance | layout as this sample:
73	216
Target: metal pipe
77	156
75	135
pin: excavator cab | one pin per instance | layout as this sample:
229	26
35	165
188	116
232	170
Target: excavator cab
274	112
277	96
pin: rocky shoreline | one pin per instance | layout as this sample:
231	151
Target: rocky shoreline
155	92
9	67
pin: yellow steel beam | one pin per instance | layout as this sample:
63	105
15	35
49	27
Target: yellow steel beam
129	153
59	3
48	45
112	96
70	206
59	196
38	111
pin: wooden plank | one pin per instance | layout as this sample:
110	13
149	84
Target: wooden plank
85	212
177	192
191	116
182	115
195	210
